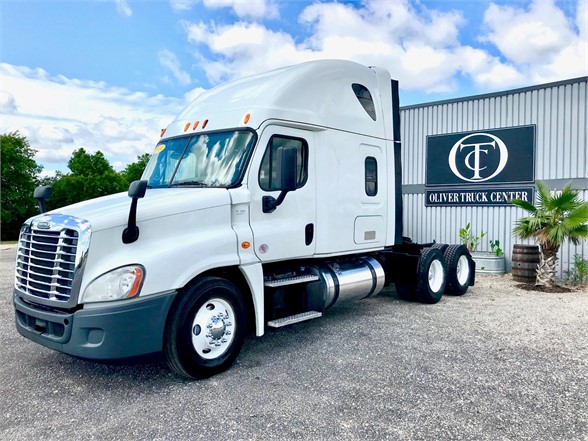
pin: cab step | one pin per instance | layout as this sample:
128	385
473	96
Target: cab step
296	318
276	283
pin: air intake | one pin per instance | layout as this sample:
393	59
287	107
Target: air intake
49	258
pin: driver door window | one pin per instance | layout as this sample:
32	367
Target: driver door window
268	171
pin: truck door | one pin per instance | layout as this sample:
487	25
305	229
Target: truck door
289	231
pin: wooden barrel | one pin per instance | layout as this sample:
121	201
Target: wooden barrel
525	259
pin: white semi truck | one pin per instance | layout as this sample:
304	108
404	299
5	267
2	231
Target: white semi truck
266	201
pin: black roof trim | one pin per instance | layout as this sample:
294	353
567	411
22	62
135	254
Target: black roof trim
498	94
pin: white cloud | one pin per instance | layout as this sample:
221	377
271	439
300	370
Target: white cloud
48	173
7	103
171	63
540	40
419	46
243	49
528	36
58	115
254	9
123	8
582	19
182	5
395	23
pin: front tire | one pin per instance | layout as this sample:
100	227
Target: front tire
205	329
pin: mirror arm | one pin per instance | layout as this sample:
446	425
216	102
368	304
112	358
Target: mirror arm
131	233
136	191
287	158
270	203
42	208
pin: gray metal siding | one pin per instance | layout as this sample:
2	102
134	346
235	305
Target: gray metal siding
559	112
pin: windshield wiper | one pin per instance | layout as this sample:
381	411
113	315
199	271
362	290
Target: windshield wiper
194	183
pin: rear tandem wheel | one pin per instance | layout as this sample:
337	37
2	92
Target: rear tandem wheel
430	278
459	269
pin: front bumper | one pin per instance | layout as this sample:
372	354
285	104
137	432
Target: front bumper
121	330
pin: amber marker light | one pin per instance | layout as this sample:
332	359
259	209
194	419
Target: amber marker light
162	132
205	123
245	245
187	126
247	117
136	283
195	126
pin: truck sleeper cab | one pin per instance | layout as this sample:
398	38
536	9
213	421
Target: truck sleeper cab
266	201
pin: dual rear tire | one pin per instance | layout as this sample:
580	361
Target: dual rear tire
441	269
460	268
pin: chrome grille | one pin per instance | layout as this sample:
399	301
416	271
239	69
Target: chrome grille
49	259
46	263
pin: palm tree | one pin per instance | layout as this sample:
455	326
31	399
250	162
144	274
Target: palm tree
555	219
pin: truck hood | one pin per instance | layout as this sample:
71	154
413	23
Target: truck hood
113	211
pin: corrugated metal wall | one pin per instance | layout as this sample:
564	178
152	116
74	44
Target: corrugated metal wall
559	111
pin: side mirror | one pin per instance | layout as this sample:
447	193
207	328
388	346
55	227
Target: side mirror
288	172
137	191
42	193
287	176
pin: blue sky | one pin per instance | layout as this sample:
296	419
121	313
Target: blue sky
108	75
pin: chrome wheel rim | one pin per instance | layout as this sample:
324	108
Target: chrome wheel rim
213	328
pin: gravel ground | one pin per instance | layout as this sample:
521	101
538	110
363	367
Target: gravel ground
496	364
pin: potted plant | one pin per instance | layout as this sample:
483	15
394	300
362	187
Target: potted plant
469	239
553	220
487	262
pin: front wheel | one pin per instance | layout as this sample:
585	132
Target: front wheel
205	329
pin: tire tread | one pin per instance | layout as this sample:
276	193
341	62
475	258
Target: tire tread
452	255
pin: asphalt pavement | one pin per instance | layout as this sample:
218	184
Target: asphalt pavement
496	364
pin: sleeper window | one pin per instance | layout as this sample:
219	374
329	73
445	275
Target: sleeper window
364	97
371	176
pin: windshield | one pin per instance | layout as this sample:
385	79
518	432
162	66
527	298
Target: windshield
207	160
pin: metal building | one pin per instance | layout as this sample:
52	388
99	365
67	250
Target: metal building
556	114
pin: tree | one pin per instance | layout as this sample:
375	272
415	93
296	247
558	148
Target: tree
133	171
555	219
82	163
91	176
18	181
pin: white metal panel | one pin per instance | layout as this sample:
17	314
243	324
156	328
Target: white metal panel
559	112
281	234
317	92
342	198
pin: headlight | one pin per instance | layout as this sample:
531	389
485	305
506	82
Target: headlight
121	283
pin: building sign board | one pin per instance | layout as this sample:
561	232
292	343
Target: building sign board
496	156
496	197
486	167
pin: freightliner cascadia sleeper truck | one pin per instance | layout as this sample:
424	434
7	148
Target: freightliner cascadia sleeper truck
267	200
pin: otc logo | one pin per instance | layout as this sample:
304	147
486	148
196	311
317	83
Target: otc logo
475	156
